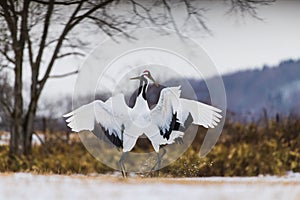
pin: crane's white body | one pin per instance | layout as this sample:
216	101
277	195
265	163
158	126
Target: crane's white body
128	124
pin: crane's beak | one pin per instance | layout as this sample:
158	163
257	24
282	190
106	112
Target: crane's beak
136	78
152	79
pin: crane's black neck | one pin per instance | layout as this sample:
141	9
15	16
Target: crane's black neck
143	87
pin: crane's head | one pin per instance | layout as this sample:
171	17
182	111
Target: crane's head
145	75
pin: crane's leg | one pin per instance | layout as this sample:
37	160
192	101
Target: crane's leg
158	163
121	163
159	157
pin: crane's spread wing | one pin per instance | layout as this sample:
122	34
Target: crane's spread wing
164	114
202	114
173	113
110	118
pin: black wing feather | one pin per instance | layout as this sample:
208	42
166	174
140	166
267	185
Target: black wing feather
176	126
104	135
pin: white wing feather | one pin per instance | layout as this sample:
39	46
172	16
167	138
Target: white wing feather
167	105
203	114
170	102
112	120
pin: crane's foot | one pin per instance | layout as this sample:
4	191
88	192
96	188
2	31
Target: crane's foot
121	163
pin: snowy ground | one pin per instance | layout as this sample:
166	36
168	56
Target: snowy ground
27	186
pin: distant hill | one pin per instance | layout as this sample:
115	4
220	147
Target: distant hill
276	89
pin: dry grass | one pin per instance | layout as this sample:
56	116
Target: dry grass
242	150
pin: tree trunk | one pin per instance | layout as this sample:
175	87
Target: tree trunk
20	137
29	125
21	132
17	136
16	147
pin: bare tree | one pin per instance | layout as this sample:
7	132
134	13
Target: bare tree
33	33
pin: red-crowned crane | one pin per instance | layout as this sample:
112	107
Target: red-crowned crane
124	125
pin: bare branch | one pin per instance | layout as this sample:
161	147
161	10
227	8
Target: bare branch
136	5
11	24
30	53
64	75
53	41
6	106
58	45
6	67
112	26
73	21
4	53
169	10
64	3
45	33
70	54
60	40
248	6
193	11
89	12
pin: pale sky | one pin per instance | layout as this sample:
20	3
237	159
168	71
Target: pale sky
239	44
236	43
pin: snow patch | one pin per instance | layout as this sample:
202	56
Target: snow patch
29	186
